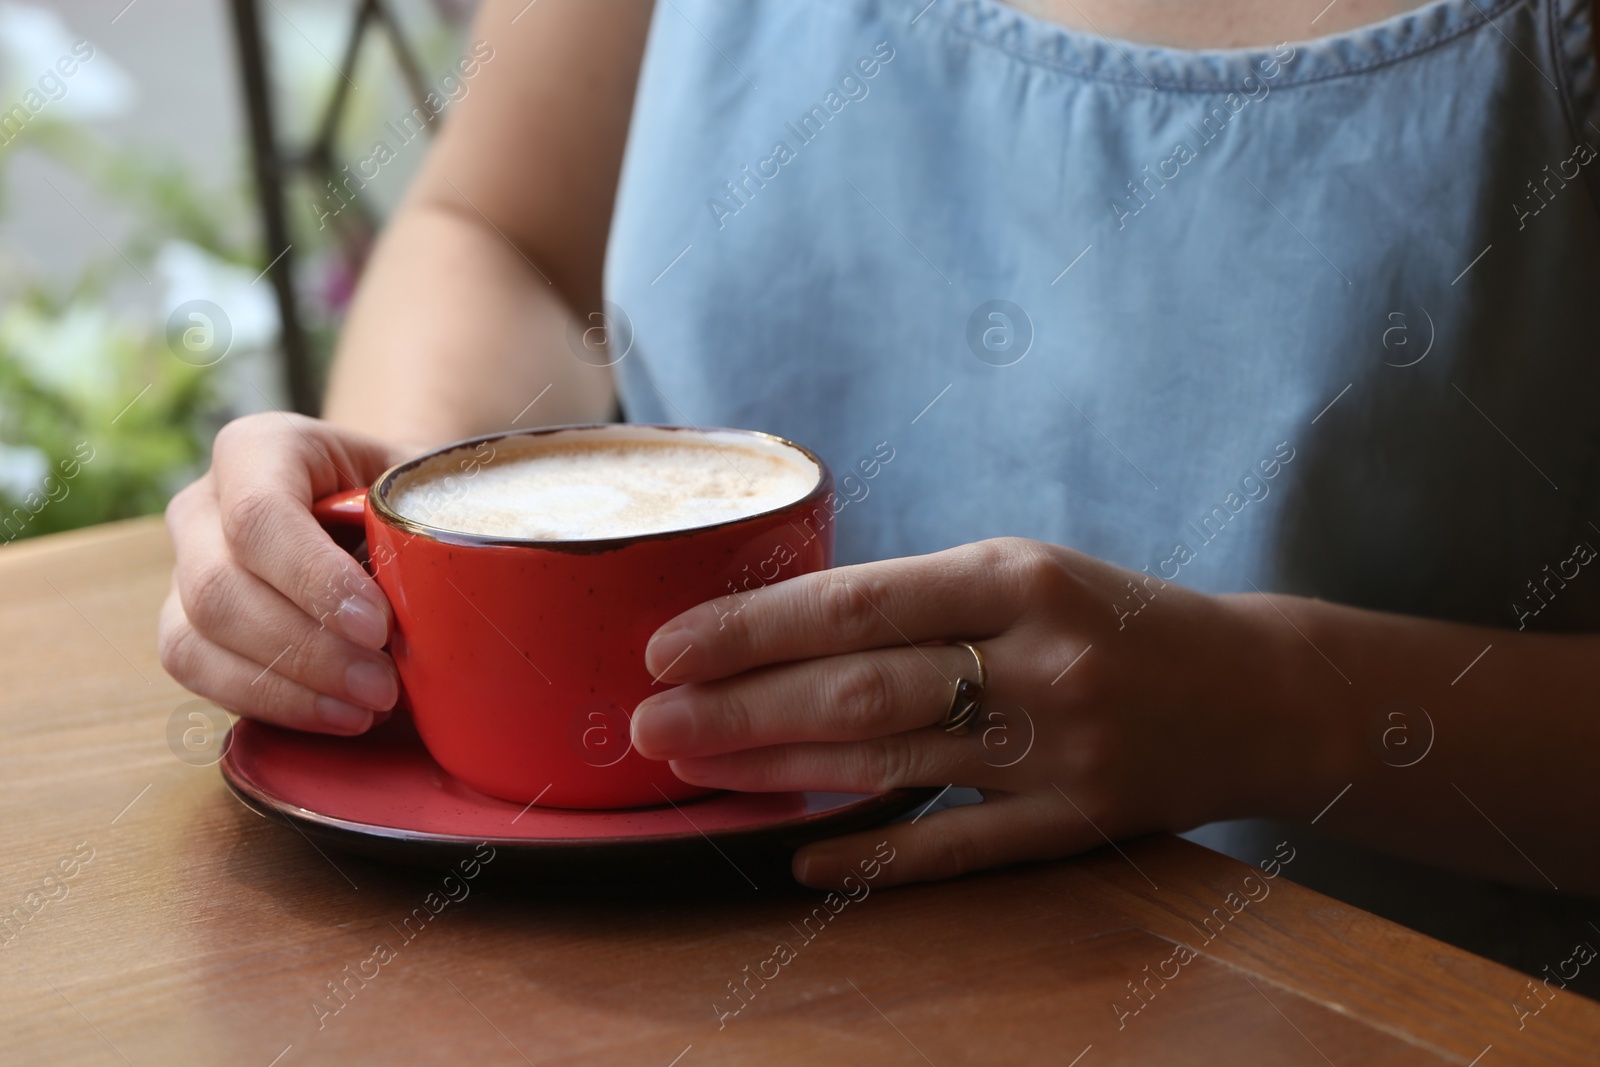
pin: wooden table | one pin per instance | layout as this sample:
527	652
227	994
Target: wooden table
200	932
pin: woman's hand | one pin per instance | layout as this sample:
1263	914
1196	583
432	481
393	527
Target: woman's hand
1102	718
267	616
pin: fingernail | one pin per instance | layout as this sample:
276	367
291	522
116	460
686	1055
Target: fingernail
342	718
685	770
663	726
362	621
820	870
371	684
666	651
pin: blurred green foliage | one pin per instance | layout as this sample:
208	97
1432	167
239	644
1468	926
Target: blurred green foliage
81	374
78	380
138	460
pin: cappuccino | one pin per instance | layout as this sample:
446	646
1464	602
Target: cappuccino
576	485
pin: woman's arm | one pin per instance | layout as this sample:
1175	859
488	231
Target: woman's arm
1105	719
462	316
459	324
1511	786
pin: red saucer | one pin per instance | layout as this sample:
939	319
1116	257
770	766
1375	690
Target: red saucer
383	795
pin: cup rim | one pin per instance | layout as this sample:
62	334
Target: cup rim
379	507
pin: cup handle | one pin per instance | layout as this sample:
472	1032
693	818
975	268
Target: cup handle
344	516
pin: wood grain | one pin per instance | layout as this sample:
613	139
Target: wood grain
199	932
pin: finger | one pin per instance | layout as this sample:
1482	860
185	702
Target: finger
852	697
268	470
1005	828
920	757
249	688
970	592
233	608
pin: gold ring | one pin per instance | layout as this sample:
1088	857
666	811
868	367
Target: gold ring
967	698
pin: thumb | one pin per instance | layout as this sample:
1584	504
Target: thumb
1005	828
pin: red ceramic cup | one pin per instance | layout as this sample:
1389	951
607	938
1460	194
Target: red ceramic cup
522	660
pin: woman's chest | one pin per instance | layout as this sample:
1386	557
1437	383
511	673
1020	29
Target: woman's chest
1218	24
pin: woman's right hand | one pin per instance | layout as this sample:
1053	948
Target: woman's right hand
267	616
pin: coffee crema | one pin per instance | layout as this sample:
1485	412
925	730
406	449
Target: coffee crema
586	485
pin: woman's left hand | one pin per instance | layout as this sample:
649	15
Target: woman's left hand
1116	704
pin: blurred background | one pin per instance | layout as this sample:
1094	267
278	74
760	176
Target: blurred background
187	193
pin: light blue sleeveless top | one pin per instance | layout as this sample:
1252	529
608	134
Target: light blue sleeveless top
1318	318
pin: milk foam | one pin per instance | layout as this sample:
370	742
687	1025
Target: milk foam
563	487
